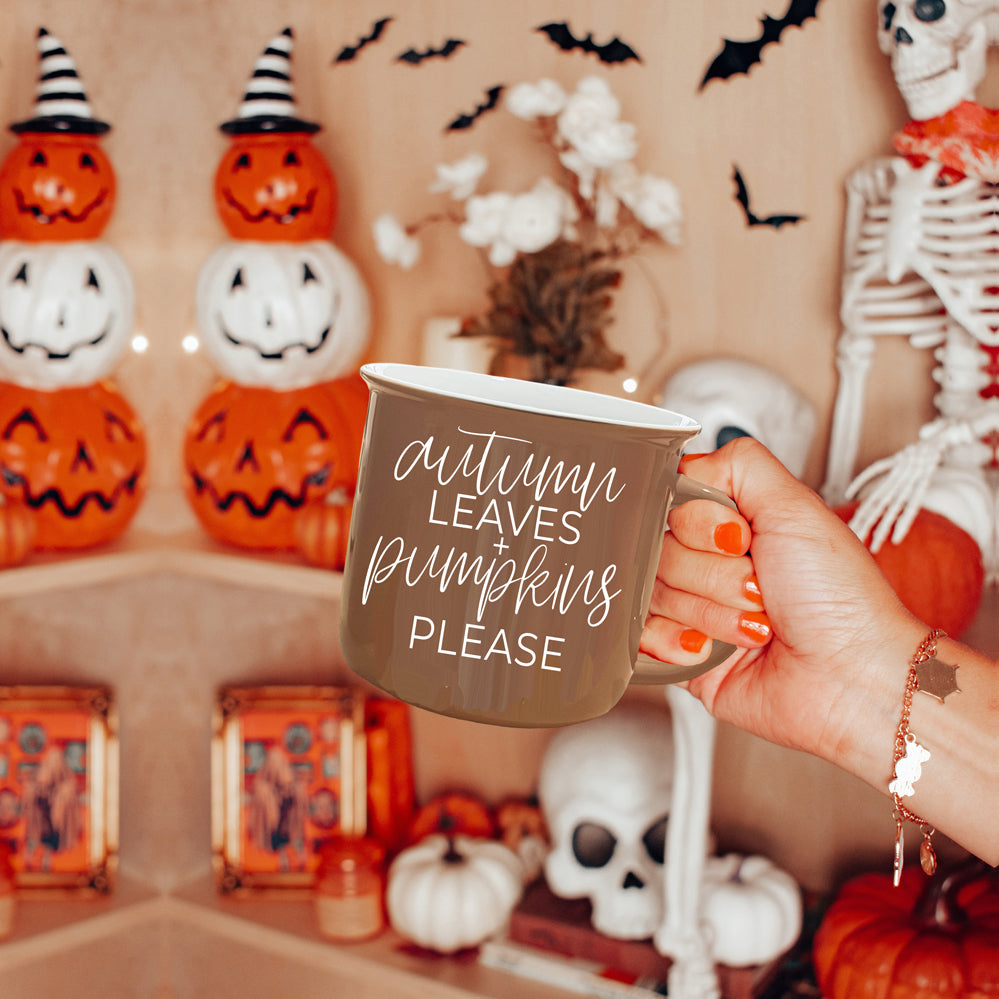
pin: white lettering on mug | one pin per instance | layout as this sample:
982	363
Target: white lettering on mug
424	629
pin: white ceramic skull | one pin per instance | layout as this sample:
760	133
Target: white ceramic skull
937	49
605	787
734	398
282	315
66	310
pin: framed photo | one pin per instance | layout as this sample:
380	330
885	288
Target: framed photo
288	771
59	786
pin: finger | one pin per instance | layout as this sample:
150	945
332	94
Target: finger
709	527
728	580
746	628
673	642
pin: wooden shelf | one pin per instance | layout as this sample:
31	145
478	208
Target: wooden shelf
44	928
286	929
188	553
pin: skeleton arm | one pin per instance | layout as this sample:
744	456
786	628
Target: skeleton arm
881	295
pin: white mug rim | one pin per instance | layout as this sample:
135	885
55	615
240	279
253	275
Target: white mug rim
528	397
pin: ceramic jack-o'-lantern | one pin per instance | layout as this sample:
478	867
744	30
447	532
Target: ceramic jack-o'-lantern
75	458
66	311
57	183
256	460
282	315
273	183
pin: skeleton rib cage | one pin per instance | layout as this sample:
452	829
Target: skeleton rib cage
922	261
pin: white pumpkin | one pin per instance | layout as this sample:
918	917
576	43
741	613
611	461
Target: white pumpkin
66	311
282	315
752	907
445	894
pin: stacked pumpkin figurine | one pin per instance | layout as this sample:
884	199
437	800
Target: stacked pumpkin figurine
271	454
72	449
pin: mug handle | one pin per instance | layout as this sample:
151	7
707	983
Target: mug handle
650	671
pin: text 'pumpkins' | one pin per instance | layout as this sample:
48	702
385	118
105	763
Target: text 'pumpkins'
256	458
930	938
937	570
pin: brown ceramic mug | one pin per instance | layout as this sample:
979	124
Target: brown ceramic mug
504	543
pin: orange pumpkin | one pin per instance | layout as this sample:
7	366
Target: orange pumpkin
276	186
256	457
321	532
452	814
936	570
76	457
55	186
930	937
17	533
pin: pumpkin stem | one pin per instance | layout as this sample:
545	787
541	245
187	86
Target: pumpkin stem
451	854
937	905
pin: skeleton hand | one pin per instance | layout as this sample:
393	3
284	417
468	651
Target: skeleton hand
893	503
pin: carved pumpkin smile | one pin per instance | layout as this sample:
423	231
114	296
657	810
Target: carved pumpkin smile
47	217
273	355
50	354
275	496
286	217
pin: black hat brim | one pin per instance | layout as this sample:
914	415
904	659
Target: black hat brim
265	124
64	124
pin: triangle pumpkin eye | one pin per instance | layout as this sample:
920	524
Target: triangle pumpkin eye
237	279
304	418
308	274
21	275
38	159
25	418
87	162
214	428
92	281
291	158
243	162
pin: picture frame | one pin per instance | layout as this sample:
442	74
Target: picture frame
59	770
288	771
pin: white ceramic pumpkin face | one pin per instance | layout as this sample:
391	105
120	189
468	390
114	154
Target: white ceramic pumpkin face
66	310
282	315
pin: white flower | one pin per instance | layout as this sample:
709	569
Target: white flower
586	172
535	100
605	207
460	178
536	219
484	215
394	244
589	123
654	201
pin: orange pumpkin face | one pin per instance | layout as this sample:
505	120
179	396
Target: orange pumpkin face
55	187
76	457
276	187
256	457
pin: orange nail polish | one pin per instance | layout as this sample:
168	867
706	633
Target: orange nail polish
692	640
728	538
755	625
751	590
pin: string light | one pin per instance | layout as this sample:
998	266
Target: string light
190	343
140	343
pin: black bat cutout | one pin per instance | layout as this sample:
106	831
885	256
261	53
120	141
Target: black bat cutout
740	57
414	57
612	52
742	196
468	120
349	52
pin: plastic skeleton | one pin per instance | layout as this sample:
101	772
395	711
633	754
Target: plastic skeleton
922	261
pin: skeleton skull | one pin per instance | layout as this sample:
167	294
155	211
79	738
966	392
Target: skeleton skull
734	398
605	788
937	49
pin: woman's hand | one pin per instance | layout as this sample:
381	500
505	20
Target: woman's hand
793	587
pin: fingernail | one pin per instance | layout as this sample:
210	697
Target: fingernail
728	538
755	625
751	590
691	640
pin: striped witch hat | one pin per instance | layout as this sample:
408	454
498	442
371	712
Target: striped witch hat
269	101
61	103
